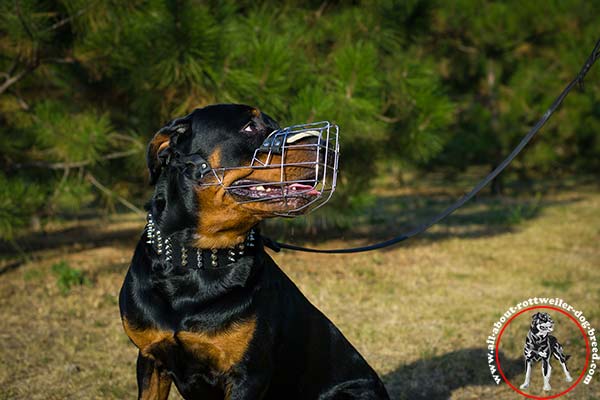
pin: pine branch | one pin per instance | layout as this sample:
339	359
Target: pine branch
22	103
130	139
388	120
65	21
58	60
22	20
109	192
11	80
77	164
321	9
15	64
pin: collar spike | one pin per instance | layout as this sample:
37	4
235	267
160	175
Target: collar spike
167	249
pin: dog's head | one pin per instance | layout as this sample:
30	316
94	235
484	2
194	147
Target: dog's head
542	324
216	209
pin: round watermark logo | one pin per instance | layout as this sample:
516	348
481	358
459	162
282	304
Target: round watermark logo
542	348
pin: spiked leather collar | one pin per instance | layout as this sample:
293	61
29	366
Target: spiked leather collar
173	253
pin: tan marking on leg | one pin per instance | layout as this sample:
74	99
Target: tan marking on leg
222	349
146	339
158	388
228	391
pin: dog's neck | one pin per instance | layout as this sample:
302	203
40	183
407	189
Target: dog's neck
172	252
537	335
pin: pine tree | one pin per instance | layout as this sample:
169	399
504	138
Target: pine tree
84	84
87	83
505	63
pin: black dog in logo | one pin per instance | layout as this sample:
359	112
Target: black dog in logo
540	345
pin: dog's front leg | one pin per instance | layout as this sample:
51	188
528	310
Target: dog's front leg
247	387
153	382
568	377
546	371
560	356
525	384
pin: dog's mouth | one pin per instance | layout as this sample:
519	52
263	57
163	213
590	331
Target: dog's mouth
248	190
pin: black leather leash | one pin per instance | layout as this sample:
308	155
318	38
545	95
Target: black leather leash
277	246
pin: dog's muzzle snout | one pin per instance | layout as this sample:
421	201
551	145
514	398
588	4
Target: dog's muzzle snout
304	161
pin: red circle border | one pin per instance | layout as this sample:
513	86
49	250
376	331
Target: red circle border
587	354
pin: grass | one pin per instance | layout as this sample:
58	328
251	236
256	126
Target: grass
67	277
419	313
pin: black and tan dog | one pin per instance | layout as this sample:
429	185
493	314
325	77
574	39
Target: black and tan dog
206	306
540	345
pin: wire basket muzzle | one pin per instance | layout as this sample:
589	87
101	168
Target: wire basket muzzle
301	163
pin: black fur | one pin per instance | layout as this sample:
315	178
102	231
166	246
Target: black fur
295	352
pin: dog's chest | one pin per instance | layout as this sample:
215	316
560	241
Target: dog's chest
537	345
208	351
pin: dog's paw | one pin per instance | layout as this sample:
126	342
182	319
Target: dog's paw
524	386
547	387
568	378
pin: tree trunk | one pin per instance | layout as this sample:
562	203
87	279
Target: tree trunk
497	184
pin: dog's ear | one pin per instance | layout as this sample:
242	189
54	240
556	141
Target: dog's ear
159	142
159	147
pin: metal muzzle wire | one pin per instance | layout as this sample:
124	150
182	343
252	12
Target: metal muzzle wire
303	160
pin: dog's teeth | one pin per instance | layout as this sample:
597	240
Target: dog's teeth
259	188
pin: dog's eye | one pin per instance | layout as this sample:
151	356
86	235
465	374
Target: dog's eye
249	127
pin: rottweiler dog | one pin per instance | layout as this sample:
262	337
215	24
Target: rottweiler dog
206	306
540	345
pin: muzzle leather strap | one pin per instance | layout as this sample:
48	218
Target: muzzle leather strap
193	166
275	142
578	80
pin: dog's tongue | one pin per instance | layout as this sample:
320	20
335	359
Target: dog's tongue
308	189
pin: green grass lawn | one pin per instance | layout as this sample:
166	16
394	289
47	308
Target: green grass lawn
419	313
